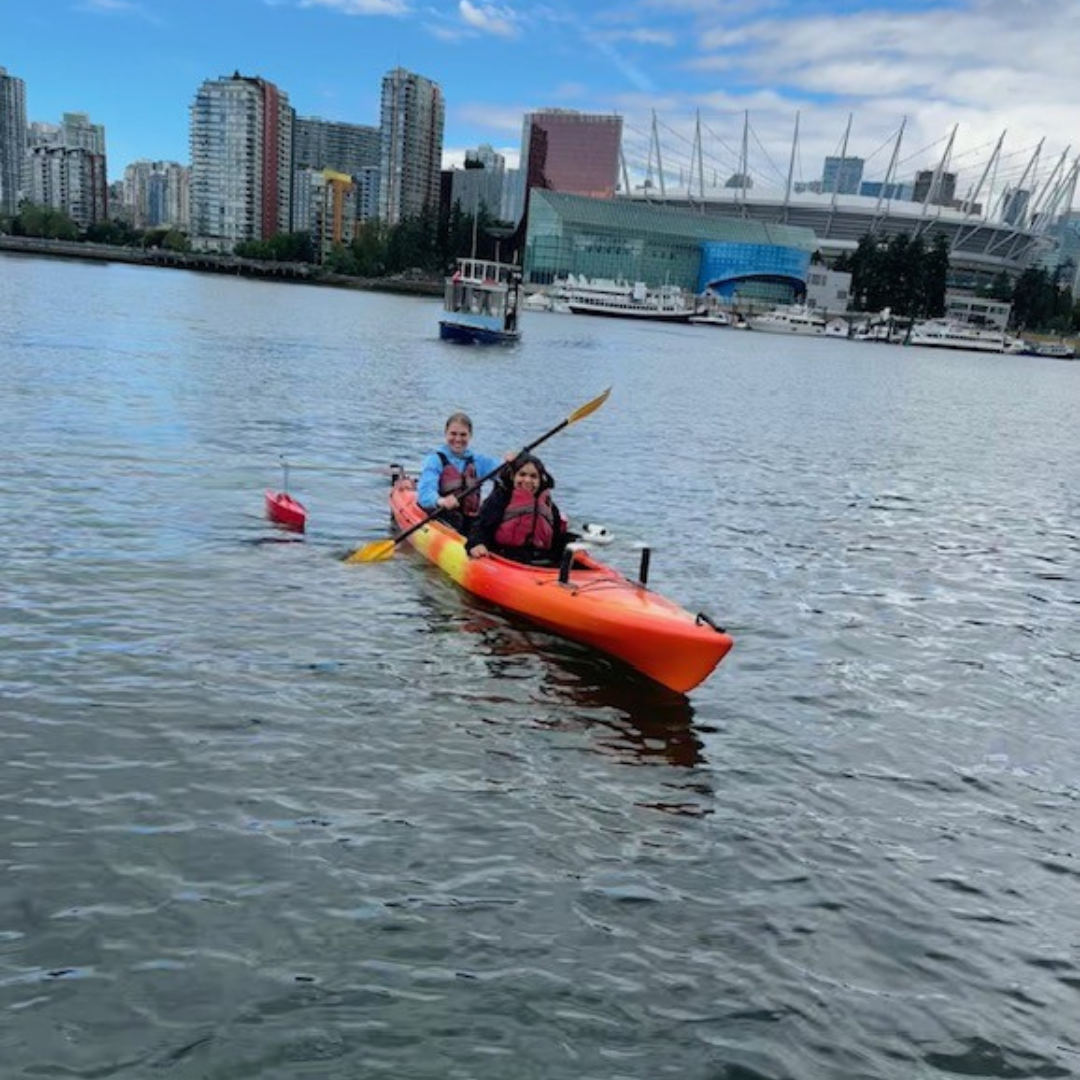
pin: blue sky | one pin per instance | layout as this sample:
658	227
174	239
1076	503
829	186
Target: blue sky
984	65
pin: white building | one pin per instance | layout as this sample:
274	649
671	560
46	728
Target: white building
827	291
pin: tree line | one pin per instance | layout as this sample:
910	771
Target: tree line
428	243
910	278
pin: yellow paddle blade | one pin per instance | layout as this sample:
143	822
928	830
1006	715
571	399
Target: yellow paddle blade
588	407
376	551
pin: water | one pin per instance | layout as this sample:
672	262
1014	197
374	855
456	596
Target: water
266	814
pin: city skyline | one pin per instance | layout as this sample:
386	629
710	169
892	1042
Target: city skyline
983	66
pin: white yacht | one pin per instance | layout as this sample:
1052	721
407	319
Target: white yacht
793	319
947	334
623	299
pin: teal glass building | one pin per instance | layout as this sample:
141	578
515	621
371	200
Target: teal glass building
634	241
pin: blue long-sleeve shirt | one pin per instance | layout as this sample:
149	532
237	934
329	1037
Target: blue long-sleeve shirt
427	488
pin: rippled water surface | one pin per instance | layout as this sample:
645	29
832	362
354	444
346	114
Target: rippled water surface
265	814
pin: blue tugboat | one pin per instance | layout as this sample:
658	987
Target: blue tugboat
482	303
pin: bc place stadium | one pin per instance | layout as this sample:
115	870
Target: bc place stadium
692	211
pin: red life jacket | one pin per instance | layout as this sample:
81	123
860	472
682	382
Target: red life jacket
529	519
452	480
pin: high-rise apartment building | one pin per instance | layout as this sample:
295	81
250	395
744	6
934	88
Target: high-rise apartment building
77	130
157	194
241	162
571	152
328	144
410	161
13	161
66	168
69	178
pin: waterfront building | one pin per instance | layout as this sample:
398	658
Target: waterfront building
67	169
13	144
618	239
340	147
69	178
827	291
241	162
412	117
156	194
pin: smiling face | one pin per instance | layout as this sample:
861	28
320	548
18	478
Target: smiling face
527	478
457	436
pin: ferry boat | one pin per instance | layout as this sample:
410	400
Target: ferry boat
1056	350
624	300
794	319
947	334
482	303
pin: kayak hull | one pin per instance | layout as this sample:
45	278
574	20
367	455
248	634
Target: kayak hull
282	509
596	605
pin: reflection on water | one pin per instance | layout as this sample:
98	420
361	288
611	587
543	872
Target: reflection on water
627	717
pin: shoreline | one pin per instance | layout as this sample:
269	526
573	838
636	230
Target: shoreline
301	273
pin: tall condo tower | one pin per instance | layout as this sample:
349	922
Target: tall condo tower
410	161
12	141
241	162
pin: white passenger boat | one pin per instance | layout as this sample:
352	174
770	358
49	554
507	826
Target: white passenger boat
793	319
947	334
624	299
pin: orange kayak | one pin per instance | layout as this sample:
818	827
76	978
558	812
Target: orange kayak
594	605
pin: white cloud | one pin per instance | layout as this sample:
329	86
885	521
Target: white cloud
392	8
488	19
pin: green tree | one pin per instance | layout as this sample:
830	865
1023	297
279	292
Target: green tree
44	222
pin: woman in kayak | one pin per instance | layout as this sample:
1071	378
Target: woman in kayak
518	520
451	468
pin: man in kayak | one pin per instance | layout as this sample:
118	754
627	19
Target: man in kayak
446	472
519	520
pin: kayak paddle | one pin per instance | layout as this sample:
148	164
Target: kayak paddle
379	550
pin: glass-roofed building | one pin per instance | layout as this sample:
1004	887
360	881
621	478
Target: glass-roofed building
631	241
